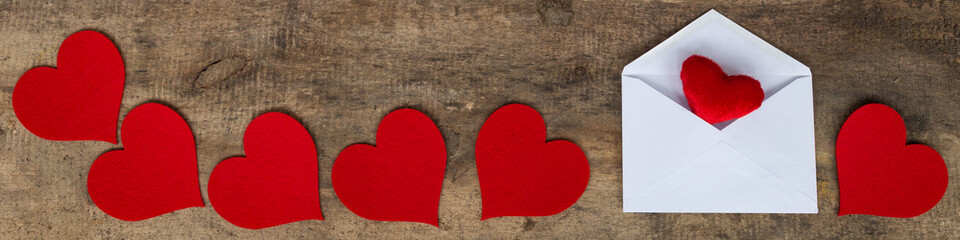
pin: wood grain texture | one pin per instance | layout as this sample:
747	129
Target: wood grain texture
340	66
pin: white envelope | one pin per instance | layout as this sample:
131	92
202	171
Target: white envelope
673	161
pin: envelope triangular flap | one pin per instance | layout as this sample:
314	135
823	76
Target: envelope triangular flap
734	48
658	134
779	136
720	183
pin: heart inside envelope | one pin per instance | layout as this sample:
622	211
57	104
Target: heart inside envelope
667	81
715	96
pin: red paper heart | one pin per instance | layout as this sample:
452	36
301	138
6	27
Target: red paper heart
399	179
881	176
713	95
521	174
277	182
155	173
78	100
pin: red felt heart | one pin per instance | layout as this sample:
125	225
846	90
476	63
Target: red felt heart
713	95
277	182
78	100
879	175
400	178
521	174
155	173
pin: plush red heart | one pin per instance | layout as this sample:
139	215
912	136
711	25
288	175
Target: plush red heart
155	173
400	178
521	174
879	174
715	96
277	182
78	100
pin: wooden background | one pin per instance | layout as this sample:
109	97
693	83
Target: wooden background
340	66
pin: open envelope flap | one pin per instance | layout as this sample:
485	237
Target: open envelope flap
779	136
734	48
659	136
721	180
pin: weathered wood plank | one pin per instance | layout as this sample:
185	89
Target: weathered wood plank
339	66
